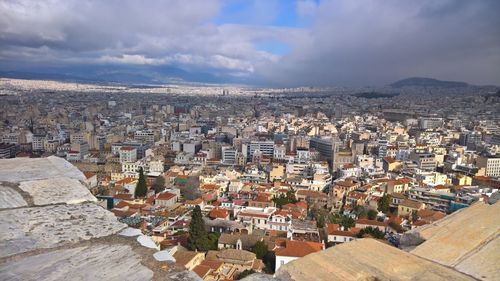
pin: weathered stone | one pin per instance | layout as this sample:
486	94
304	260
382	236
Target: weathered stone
96	262
452	239
483	264
31	228
366	259
21	169
10	198
57	190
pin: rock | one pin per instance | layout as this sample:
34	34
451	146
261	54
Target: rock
164	256
57	190
30	228
450	240
130	232
147	242
21	169
366	259
99	262
9	198
51	228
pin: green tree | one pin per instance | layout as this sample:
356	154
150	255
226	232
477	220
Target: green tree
345	221
384	203
414	216
320	221
372	214
159	184
283	199
198	238
260	249
245	273
371	232
141	189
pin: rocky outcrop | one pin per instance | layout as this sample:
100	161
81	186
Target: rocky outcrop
51	228
462	246
366	259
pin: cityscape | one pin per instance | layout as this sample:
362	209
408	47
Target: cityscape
128	176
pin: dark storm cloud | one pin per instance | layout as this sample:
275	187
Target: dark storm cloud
345	42
376	42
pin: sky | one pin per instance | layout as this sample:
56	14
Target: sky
281	43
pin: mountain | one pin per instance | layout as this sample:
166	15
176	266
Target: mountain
134	74
427	82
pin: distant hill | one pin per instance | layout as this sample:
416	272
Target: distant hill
427	82
373	95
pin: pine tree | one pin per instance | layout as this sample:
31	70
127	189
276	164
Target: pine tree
198	238
141	189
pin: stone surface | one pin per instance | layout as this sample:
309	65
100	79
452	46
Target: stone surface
23	169
452	240
164	256
483	264
147	242
130	232
51	228
10	198
57	190
95	262
31	228
366	259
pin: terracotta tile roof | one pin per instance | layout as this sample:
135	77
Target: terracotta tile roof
370	222
311	193
220	213
331	227
430	215
184	257
202	270
123	214
88	174
213	264
123	196
411	204
165	196
299	248
389	159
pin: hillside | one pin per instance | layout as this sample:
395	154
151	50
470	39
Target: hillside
427	82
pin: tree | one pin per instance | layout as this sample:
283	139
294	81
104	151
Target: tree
198	237
320	221
159	184
414	216
283	199
260	249
245	273
141	189
384	203
345	221
371	232
372	214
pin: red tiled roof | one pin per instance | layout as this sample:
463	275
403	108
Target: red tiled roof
331	227
370	222
220	213
165	196
202	270
299	248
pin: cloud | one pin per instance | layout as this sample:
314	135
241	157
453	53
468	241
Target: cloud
377	42
330	42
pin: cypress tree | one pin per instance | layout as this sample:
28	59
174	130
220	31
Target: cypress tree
141	189
198	237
